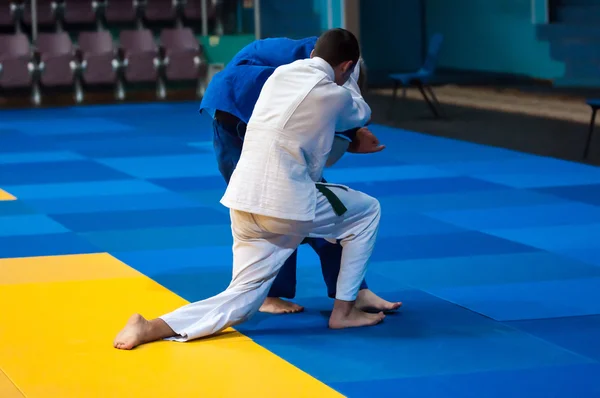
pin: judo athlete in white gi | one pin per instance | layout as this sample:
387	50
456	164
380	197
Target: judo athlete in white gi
276	200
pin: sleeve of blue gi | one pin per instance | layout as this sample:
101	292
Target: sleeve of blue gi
277	51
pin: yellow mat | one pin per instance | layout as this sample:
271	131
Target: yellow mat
59	316
7	388
6	196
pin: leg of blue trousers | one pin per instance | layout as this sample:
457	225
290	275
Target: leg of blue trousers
228	149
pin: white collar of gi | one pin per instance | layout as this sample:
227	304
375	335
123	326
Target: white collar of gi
324	66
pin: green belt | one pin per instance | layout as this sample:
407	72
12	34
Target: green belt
334	201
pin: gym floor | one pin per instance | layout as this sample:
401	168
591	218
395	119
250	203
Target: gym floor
110	210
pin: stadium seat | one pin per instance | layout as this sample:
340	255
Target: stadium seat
183	58
97	59
49	13
11	14
6	15
192	10
57	62
15	61
82	11
161	10
123	11
140	58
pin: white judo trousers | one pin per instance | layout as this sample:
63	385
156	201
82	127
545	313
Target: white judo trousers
260	247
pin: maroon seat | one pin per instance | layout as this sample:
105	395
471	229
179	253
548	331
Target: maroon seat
160	10
80	11
15	60
121	11
140	55
6	14
57	57
11	14
182	55
46	12
193	10
97	57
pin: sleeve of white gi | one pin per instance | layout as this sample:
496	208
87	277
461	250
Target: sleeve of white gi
352	83
355	113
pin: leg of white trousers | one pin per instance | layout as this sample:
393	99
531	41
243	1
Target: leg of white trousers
357	229
257	258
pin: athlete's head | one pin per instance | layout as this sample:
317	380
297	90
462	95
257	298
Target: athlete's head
340	49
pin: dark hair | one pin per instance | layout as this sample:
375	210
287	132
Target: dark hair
336	46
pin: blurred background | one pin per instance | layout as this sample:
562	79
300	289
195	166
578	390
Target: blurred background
520	74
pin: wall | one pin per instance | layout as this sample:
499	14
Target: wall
320	8
297	18
390	36
491	35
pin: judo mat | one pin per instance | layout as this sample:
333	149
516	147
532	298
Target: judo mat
110	210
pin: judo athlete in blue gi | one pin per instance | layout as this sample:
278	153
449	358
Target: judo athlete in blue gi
230	99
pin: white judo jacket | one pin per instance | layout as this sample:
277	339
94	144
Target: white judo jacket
289	137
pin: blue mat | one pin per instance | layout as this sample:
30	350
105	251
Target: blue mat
481	270
192	183
83	189
578	333
111	203
582	193
67	125
413	341
44	245
424	186
553	238
14	208
14	141
38	157
533	300
444	245
144	148
29	224
64	171
467	200
398	223
588	255
138	219
545	382
196	165
350	175
540	180
517	166
161	238
165	261
479	243
522	216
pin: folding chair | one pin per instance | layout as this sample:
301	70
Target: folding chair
422	77
595	105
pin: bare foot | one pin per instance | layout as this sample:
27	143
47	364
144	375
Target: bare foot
275	305
139	330
356	318
370	302
133	333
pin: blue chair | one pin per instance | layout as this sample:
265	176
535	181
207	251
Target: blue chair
422	78
595	105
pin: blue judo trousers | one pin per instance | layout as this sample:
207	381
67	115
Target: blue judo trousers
229	99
